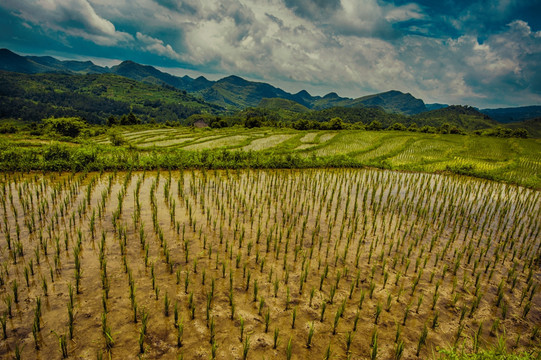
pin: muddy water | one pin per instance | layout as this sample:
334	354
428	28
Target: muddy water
450	239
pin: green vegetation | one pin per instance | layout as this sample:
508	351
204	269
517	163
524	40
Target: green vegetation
512	160
94	97
116	100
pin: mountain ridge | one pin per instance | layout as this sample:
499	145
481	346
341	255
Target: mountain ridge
231	91
236	93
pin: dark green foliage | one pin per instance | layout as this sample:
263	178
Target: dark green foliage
71	127
94	97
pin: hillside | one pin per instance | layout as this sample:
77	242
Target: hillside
94	97
236	92
158	95
533	126
364	115
232	92
508	115
282	104
148	74
465	117
393	101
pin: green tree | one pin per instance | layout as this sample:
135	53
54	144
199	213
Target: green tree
374	125
71	127
253	122
336	124
397	126
112	120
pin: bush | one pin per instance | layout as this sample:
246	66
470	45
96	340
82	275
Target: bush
56	152
70	127
374	126
8	129
116	138
336	124
428	129
397	126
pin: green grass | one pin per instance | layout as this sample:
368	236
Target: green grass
515	161
490	354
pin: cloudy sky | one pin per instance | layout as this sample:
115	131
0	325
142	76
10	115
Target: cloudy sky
485	53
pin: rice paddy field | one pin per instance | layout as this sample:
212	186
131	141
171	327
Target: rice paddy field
512	160
274	264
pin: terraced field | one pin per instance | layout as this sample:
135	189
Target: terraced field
513	160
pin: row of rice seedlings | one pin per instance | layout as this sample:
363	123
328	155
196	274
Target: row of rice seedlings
199	191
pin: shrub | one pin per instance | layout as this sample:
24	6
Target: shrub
116	138
71	127
8	129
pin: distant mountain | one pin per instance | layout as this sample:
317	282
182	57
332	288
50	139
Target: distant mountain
466	117
236	93
392	101
233	92
435	106
149	75
282	104
9	61
508	115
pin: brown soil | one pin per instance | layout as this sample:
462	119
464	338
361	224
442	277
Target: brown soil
450	231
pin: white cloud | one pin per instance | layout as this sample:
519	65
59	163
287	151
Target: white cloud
353	47
72	17
157	46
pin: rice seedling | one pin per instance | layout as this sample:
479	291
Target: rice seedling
166	303
377	312
310	335
275	338
62	343
266	318
246	347
8	301
289	349
374	345
399	350
106	331
3	322
293	317
349	340
241	328
15	288
19	349
328	352
422	339
323	307
180	332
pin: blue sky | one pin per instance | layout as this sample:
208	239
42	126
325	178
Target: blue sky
480	53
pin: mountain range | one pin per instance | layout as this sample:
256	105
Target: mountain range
235	93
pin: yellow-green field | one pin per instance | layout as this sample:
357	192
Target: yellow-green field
513	160
510	160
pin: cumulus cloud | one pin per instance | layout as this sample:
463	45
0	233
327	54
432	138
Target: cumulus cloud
72	17
157	46
354	47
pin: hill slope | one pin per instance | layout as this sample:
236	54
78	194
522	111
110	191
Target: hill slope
282	104
507	115
95	97
464	116
233	92
533	126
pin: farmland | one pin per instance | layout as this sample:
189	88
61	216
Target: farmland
510	160
252	264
